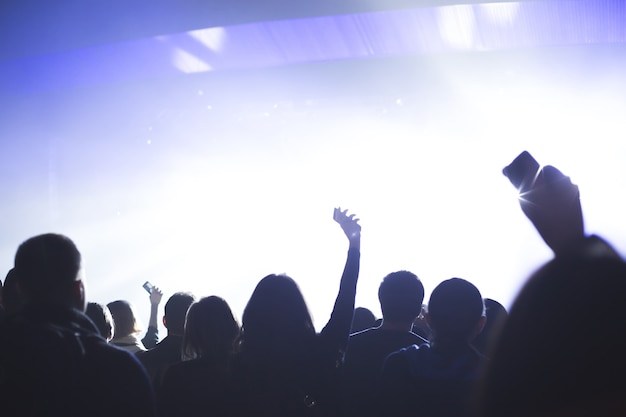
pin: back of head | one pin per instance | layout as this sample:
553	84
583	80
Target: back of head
210	330
401	294
47	268
124	320
454	310
101	317
543	364
276	317
362	319
176	311
496	317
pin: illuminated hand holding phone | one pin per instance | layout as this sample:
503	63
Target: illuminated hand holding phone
551	202
350	226
155	296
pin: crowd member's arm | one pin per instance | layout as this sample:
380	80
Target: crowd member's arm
337	329
552	203
151	338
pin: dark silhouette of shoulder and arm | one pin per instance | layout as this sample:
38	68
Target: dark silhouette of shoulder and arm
539	364
10	297
53	362
2	311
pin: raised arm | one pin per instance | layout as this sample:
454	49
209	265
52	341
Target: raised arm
552	203
151	338
553	206
337	329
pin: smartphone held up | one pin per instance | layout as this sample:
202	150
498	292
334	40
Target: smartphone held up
522	172
148	287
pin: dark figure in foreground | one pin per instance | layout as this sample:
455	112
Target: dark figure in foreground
540	365
53	362
283	368
438	380
201	385
168	351
400	294
2	312
10	297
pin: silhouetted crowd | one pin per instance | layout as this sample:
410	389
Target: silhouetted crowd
559	351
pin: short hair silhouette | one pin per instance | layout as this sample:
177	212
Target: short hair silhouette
124	318
276	317
362	319
401	295
176	311
454	309
47	266
210	330
101	317
496	317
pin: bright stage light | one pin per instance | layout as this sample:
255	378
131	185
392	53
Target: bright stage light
227	193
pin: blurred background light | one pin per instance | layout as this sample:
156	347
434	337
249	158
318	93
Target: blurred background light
256	130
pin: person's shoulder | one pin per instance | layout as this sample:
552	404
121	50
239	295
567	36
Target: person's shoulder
364	334
113	363
405	338
365	340
412	350
419	340
112	352
405	354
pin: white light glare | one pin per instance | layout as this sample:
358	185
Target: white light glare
457	26
212	38
503	14
188	63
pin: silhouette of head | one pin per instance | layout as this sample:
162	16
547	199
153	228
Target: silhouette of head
496	316
276	317
362	319
401	294
543	364
210	329
124	320
455	311
101	317
47	268
176	311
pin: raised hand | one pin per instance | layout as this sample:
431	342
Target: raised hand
155	296
552	204
349	224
